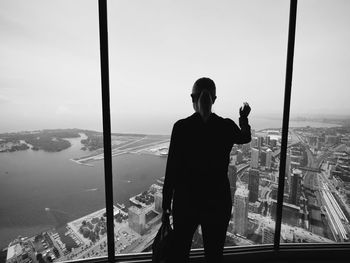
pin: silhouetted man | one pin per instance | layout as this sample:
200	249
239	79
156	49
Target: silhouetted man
196	181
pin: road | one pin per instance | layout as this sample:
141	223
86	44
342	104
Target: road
323	190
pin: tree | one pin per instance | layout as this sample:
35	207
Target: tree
86	232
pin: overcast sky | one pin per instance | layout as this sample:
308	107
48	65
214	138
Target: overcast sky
50	69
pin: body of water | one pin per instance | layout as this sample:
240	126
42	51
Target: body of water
34	180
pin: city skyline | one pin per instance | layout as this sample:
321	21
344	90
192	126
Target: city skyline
50	75
315	206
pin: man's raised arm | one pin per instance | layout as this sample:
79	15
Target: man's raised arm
242	135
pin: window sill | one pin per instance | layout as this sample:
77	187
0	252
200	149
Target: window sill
264	253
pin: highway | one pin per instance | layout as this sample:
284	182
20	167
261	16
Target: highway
336	219
240	169
335	214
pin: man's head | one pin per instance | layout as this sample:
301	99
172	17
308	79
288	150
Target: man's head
203	95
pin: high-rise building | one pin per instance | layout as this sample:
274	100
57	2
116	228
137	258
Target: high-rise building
137	219
267	140
239	157
253	185
260	142
263	158
245	177
268	158
318	145
331	168
288	161
295	187
232	177
254	142
273	142
241	211
158	197
233	159
254	162
246	148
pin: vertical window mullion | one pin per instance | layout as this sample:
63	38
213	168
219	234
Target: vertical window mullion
285	125
102	6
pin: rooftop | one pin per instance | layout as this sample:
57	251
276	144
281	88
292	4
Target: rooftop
14	251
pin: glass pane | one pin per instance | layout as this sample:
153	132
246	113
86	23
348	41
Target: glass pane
157	51
51	198
317	192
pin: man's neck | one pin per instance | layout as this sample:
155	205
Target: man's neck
205	116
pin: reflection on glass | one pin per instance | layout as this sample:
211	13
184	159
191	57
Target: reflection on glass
317	204
157	51
52	201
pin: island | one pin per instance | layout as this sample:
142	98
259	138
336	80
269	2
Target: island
47	140
56	140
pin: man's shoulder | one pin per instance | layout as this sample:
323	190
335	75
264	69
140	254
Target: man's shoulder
185	121
224	121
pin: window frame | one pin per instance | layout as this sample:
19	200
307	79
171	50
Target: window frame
285	120
107	144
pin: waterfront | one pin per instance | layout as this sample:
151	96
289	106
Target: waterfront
34	180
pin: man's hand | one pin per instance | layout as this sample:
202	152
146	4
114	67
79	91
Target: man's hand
244	112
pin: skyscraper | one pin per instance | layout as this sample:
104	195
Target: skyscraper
254	162
260	142
245	177
239	156
263	158
254	142
295	187
137	219
246	148
241	211
253	185
232	177
268	158
273	142
158	197
287	174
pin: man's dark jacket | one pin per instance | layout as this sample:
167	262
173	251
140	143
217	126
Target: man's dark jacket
198	159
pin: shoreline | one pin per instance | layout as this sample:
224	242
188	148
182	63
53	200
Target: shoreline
153	148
